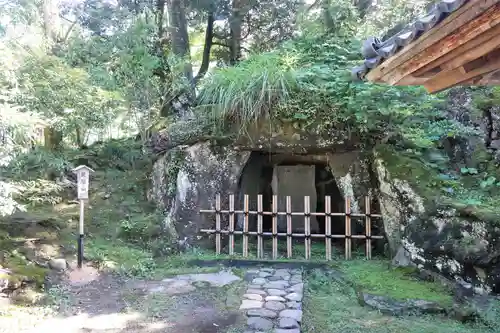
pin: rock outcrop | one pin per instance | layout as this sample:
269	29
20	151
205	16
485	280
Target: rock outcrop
186	181
419	231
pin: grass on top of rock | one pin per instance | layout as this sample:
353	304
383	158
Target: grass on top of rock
330	306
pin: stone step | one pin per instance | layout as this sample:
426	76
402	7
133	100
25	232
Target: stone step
273	301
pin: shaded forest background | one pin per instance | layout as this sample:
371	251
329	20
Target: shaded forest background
100	77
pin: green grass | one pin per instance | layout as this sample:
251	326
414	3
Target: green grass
298	250
378	277
245	92
330	307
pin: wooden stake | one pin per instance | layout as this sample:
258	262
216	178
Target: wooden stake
307	226
347	229
289	226
80	234
328	227
217	225
245	227
231	224
368	228
260	248
275	226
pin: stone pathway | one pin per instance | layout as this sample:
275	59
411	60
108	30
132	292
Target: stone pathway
273	300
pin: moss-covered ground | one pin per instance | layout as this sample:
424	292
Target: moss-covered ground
332	307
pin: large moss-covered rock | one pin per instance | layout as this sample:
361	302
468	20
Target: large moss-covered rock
459	247
189	180
399	205
458	241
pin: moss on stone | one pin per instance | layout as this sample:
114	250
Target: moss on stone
376	277
404	166
482	213
24	271
175	161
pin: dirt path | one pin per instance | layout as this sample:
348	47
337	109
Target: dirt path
93	302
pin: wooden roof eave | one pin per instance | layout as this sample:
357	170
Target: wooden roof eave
462	49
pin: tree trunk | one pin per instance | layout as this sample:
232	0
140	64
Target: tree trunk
179	34
235	23
329	23
78	135
53	138
50	15
209	34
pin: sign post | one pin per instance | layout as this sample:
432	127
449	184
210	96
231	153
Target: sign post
83	176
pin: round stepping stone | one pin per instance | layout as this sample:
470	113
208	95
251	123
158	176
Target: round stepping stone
256	291
282	272
288	323
264	274
264	313
294	297
293	305
297	288
259	281
247	304
275	298
275	306
259	323
254	297
275	278
294	314
276	292
254	286
276	284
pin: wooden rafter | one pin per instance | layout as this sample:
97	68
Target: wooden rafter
488	64
469	51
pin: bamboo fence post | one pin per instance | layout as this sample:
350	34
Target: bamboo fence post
275	226
328	227
217	225
307	227
347	229
245	226
260	248
288	226
368	228
231	224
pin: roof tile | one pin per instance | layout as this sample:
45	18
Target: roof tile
375	51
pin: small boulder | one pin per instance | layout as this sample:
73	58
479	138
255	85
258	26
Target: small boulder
294	314
392	307
288	323
26	296
58	264
4	279
259	323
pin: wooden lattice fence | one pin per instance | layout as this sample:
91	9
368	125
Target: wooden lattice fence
232	213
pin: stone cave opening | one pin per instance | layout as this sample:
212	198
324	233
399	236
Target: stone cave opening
291	175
